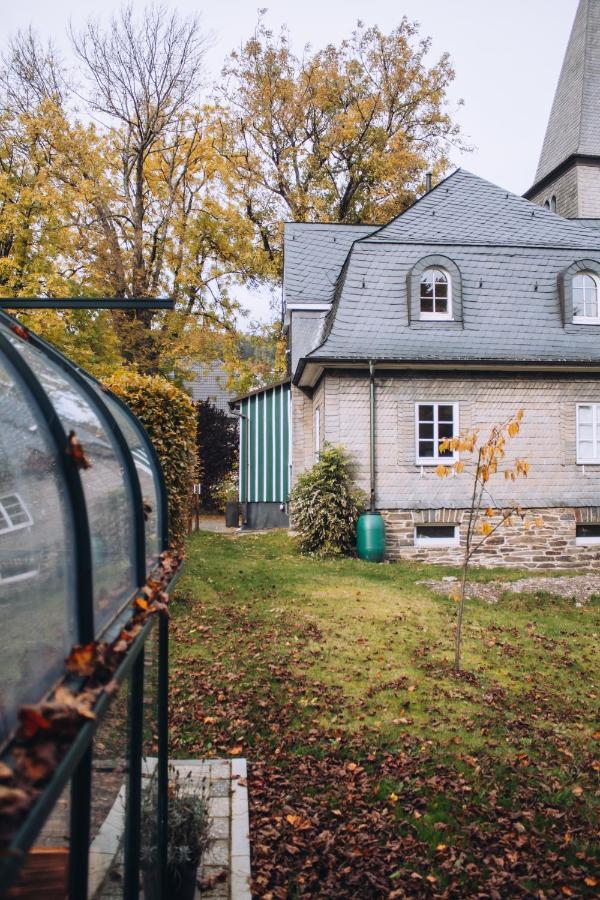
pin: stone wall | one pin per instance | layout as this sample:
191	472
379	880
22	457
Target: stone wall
577	192
548	545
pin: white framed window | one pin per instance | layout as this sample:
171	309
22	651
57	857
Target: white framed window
437	536
585	298
433	423
13	513
435	295
588	433
317	427
587	534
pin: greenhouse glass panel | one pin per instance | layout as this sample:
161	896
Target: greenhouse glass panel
107	491
138	444
37	602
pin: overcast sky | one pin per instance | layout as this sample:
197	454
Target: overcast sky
507	58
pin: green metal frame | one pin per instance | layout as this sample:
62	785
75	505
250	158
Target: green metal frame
76	766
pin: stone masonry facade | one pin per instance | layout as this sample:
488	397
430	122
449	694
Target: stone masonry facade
547	545
559	492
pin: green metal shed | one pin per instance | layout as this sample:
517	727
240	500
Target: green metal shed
265	460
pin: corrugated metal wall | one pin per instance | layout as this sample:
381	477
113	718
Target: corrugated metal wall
265	446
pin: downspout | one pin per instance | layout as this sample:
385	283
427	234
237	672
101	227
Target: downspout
244	499
372	434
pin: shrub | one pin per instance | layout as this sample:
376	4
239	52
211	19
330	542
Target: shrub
325	505
225	490
169	417
217	449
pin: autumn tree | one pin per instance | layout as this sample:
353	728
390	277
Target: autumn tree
132	203
484	516
342	134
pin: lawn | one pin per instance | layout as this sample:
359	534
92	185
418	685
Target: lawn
374	770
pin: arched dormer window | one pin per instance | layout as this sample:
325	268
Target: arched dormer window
579	292
547	204
434	292
585	298
553	203
435	295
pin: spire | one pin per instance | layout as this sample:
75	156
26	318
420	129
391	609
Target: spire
574	126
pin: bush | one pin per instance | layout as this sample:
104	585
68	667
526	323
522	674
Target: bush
325	505
169	417
217	449
226	490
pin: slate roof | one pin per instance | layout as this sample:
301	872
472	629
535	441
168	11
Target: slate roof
466	209
313	257
509	261
210	384
574	124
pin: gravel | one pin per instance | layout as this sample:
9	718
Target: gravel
578	588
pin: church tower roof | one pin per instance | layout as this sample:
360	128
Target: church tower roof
574	126
573	132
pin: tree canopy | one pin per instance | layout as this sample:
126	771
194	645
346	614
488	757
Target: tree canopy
135	183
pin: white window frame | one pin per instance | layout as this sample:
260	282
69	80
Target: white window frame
317	431
6	515
587	320
586	541
421	541
435	316
591	460
436	460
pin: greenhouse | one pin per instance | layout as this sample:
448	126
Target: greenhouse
83	535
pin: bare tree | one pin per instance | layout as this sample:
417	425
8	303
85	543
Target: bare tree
30	73
144	74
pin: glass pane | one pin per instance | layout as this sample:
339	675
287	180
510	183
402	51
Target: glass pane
441	305
426	430
37	602
426	304
446	413
150	752
146	475
425	448
109	800
45	871
586	432
586	449
107	494
426	413
585	414
445	430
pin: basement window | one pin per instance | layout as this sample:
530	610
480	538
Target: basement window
13	514
587	534
436	536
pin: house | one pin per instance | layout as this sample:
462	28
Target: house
471	304
210	383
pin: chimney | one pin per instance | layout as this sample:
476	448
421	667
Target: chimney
428	182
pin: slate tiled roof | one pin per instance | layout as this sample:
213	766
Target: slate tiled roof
210	384
509	262
574	124
313	257
466	209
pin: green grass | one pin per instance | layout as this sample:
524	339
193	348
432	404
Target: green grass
303	662
385	642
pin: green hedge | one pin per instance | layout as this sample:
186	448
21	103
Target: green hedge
169	417
325	505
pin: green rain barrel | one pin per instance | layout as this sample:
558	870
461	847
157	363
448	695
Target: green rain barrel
370	537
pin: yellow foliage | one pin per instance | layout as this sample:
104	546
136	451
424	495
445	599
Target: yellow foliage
441	471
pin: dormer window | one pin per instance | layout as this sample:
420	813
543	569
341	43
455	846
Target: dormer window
585	298
435	295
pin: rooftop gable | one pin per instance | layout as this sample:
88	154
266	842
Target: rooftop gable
466	209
